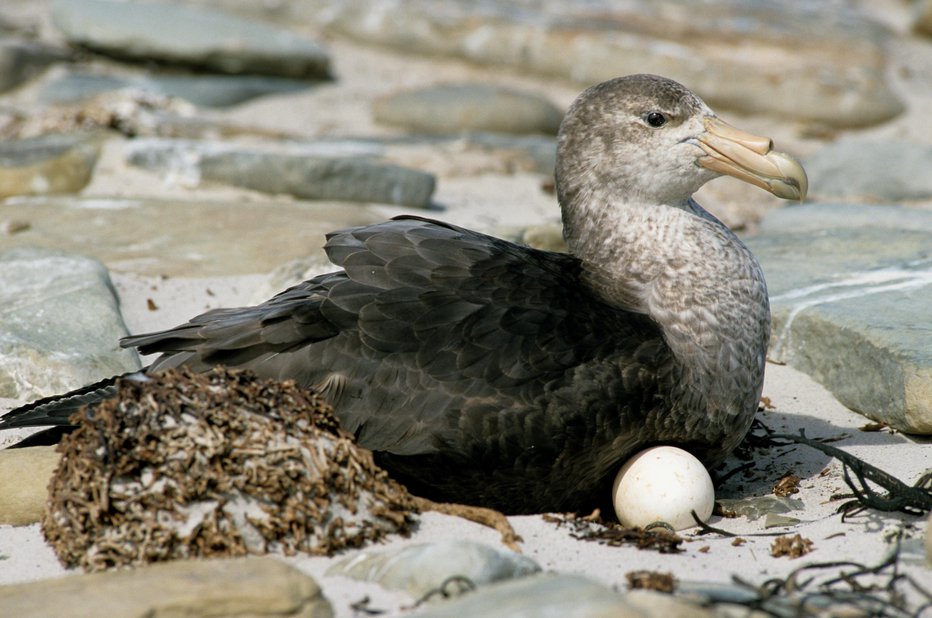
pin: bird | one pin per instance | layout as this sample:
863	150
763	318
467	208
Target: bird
484	372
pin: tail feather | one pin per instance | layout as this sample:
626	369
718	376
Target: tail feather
57	409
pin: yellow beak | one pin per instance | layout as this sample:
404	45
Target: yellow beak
751	158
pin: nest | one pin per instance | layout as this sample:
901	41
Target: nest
185	465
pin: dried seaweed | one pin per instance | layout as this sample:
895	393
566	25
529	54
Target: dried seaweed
850	589
913	500
215	464
613	534
651	580
794	546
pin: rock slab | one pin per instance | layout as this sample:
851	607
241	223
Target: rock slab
248	587
469	107
188	36
24	476
851	291
61	324
22	60
54	163
857	169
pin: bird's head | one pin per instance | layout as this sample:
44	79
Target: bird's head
648	139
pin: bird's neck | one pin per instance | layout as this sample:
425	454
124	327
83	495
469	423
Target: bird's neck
687	271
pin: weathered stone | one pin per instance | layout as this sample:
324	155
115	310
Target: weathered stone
203	90
297	171
420	568
871	170
808	61
248	587
469	107
178	237
177	34
47	164
61	323
23	60
850	289
24	477
541	595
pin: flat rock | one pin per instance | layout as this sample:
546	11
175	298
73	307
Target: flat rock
24	476
808	61
203	90
306	172
252	587
850	289
180	237
61	321
857	169
560	595
453	108
420	568
188	36
55	163
21	60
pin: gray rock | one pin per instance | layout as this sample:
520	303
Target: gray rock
469	107
420	568
870	170
179	237
566	596
24	476
181	35
203	90
47	164
22	60
821	63
922	23
61	323
252	587
307	173
851	288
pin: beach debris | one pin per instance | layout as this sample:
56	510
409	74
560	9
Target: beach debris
183	465
650	580
593	528
793	546
786	485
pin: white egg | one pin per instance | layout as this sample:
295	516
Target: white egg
663	483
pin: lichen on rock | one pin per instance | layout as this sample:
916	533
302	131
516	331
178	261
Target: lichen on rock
185	465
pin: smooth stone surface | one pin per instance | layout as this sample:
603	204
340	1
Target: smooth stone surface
21	60
54	163
808	61
420	568
203	90
469	107
188	36
307	173
61	323
922	23
24	476
178	237
855	169
851	291
566	596
248	587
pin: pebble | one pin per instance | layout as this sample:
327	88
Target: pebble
421	568
202	90
304	175
188	36
469	107
54	163
22	60
61	324
192	588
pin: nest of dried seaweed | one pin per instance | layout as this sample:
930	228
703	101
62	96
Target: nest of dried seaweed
217	464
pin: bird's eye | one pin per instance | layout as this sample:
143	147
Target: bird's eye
656	119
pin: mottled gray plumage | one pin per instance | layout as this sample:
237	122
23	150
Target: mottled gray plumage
484	372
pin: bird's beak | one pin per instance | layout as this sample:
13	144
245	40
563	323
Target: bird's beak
751	158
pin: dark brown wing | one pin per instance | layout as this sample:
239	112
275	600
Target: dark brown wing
433	338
